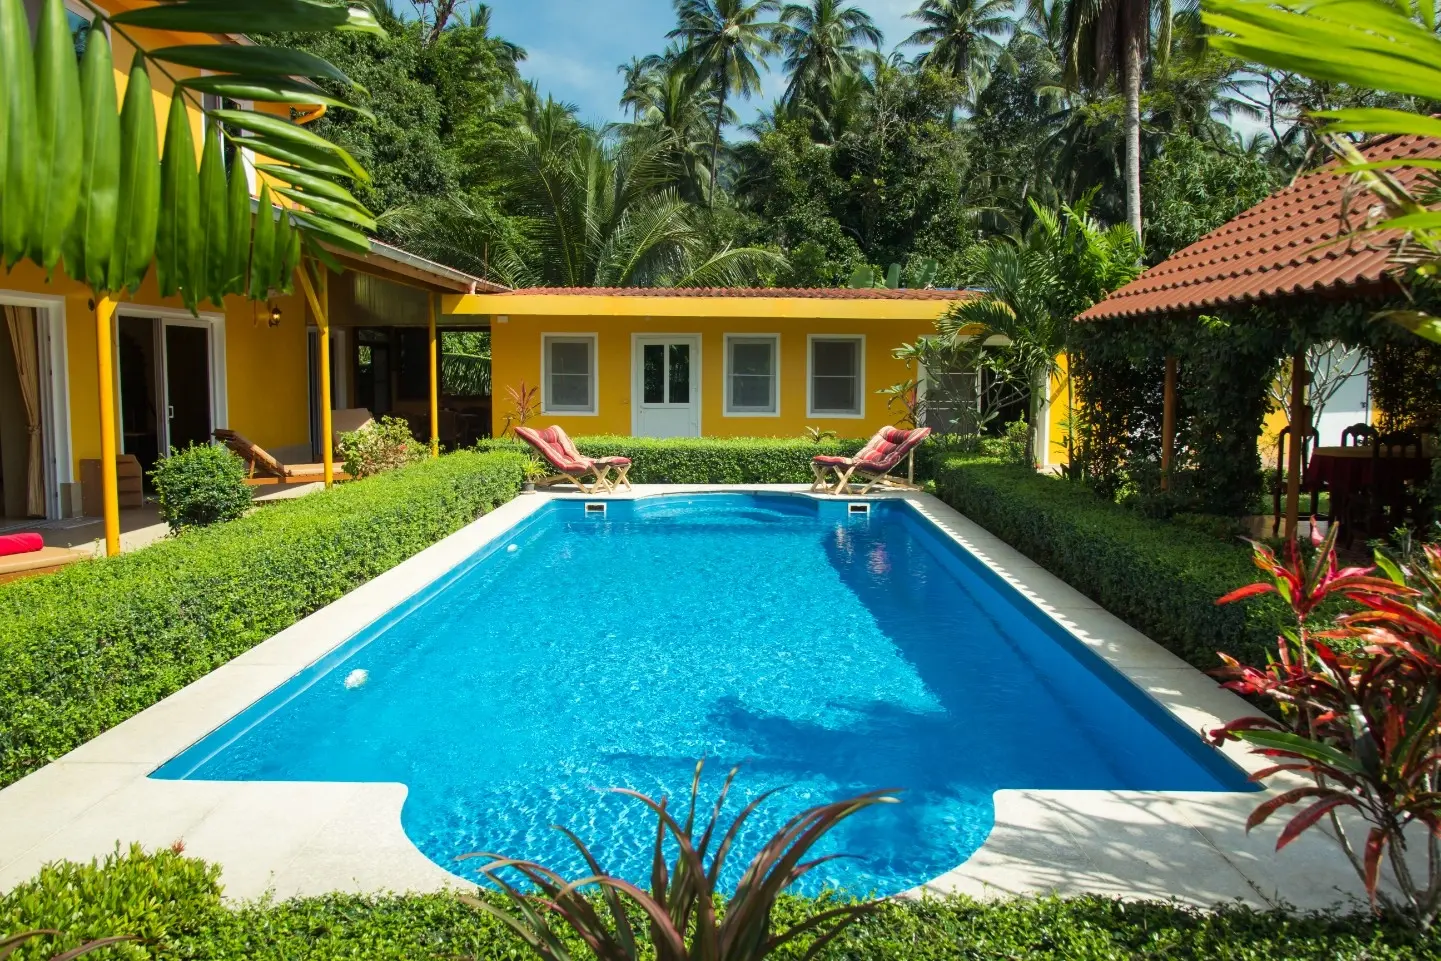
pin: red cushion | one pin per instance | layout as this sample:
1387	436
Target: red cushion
831	460
613	461
20	544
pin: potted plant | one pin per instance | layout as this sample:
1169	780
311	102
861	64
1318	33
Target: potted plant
534	471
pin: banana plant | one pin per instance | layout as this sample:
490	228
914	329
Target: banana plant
84	178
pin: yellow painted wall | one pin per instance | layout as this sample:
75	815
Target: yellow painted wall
516	357
266	368
1058	397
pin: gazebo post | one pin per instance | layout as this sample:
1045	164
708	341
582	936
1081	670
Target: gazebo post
1168	423
1300	430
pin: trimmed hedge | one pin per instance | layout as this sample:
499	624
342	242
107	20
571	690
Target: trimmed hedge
174	903
82	650
1162	578
705	460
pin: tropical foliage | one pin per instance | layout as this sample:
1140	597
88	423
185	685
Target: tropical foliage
84	178
1357	700
683	912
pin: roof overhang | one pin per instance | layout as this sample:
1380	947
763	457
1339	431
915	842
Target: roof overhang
520	304
407	268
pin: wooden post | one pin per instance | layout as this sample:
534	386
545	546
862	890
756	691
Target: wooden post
319	306
1168	423
434	378
109	483
1300	429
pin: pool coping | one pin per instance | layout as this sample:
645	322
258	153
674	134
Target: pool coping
305	838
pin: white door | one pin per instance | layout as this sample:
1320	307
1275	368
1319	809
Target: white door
667	386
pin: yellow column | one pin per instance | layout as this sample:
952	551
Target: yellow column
109	484
319	306
434	378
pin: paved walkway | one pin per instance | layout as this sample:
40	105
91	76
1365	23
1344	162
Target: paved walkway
293	839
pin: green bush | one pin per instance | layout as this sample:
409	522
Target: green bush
706	460
203	484
82	650
1160	577
173	902
386	444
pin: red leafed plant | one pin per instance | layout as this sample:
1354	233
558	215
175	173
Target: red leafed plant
1358	695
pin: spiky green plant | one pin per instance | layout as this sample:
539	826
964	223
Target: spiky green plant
679	910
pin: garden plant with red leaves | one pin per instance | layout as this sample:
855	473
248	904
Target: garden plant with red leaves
1358	694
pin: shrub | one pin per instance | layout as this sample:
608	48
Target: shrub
381	446
83	649
1161	578
192	925
707	460
203	484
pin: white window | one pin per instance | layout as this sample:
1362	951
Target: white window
76	12
569	375
752	364
837	377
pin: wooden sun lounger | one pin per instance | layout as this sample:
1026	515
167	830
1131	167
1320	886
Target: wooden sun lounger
571	465
269	470
872	466
47	560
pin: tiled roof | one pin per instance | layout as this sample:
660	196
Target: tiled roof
1276	249
809	293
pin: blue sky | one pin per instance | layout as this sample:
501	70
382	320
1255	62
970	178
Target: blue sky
575	46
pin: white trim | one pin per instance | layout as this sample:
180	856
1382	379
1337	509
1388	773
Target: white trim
54	393
775	341
860	376
219	380
637	388
562	337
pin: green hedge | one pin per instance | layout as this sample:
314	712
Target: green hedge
174	902
705	460
1161	578
82	650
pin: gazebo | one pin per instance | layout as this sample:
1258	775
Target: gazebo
1283	273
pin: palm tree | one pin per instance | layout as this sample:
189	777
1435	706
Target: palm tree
827	44
1108	39
961	35
667	98
729	41
583	210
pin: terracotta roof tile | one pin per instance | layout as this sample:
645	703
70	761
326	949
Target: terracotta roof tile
809	293
1278	248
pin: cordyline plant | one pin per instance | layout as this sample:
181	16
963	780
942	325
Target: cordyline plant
1360	714
680	910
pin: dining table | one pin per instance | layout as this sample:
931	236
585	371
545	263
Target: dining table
1347	472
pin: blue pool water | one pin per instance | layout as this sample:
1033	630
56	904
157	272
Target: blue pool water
827	652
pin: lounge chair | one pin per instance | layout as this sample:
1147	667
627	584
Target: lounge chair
268	469
873	464
570	464
25	555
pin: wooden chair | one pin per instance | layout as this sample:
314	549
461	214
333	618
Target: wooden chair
1391	497
1278	487
270	470
882	454
560	453
1358	435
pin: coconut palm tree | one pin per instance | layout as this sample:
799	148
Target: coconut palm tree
666	97
961	35
828	42
1110	39
728	40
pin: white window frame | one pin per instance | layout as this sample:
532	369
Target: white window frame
593	340
860	341
775	341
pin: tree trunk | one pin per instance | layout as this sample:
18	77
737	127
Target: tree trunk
1131	79
720	112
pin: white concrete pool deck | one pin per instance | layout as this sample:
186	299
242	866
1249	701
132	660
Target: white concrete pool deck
312	838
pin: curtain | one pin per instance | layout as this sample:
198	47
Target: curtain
21	321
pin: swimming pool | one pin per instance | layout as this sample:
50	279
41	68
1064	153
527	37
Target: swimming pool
831	652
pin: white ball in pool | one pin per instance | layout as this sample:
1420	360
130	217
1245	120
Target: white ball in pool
512	548
356	678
